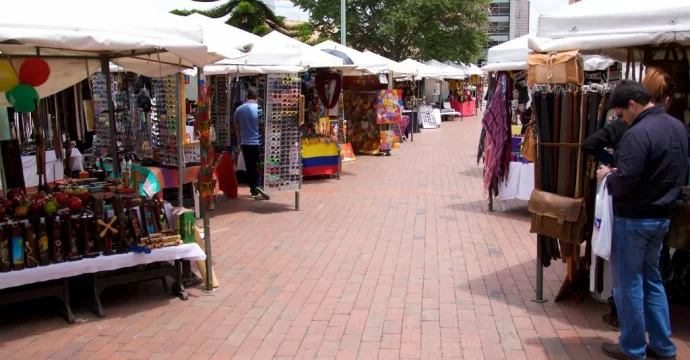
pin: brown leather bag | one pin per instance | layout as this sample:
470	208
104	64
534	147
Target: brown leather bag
557	216
529	143
556	68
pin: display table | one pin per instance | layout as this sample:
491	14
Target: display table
319	157
467	108
100	263
520	182
54	168
52	280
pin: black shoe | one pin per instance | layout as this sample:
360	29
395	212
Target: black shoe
614	351
653	355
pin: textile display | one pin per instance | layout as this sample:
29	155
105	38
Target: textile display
346	152
360	110
389	107
497	124
319	158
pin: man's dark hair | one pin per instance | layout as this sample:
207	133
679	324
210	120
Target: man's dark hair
252	93
627	90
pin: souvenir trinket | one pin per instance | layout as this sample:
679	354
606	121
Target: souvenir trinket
30	245
75	233
17	248
5	260
57	255
43	247
107	234
90	236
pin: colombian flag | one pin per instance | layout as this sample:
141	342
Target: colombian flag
319	158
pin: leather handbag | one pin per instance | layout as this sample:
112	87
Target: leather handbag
529	143
556	68
557	216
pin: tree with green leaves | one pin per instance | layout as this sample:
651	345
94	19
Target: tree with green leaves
399	29
253	16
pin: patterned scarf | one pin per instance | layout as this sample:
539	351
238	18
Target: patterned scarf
497	125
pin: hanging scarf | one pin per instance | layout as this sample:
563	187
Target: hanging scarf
496	124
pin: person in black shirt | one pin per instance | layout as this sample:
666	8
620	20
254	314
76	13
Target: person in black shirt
651	169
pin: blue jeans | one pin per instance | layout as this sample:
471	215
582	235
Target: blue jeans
640	297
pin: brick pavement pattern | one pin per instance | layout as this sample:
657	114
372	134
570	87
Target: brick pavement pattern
397	260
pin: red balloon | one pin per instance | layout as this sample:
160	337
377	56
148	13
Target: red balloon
34	72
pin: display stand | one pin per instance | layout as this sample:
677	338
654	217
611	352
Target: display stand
283	141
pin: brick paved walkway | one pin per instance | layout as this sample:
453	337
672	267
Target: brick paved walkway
396	260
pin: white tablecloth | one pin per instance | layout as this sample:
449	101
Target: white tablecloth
100	263
520	182
54	167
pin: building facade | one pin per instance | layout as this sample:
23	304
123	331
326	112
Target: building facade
508	19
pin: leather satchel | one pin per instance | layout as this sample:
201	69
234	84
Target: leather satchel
556	68
557	216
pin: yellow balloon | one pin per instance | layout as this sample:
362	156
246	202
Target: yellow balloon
8	78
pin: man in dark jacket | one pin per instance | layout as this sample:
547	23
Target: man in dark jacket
651	169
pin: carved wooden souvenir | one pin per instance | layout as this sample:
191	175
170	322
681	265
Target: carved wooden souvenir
43	247
17	247
58	254
107	233
121	223
159	210
150	220
90	236
97	208
75	236
160	240
30	245
5	259
134	224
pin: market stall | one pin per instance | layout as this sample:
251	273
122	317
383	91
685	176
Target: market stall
625	33
104	218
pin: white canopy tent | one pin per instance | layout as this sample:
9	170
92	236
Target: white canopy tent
423	71
266	56
311	57
509	56
363	63
447	71
512	56
74	44
470	69
393	66
609	27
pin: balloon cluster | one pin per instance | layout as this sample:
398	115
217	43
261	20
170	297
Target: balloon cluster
20	89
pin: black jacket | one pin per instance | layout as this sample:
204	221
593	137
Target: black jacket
608	136
652	163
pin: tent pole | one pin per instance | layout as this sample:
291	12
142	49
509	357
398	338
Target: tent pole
181	124
204	206
105	69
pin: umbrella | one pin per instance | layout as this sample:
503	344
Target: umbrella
340	54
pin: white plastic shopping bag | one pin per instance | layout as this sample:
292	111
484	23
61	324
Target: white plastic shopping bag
240	162
603	223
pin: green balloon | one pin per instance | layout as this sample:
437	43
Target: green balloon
23	98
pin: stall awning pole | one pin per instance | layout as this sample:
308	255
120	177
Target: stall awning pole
181	124
105	69
343	23
204	205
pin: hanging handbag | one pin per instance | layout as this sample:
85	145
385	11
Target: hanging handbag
529	143
556	68
558	216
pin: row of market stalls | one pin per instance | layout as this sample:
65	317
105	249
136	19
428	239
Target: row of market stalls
97	118
617	39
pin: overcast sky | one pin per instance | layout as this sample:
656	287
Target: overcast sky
283	7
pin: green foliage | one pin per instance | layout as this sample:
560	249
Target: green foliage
249	15
399	29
